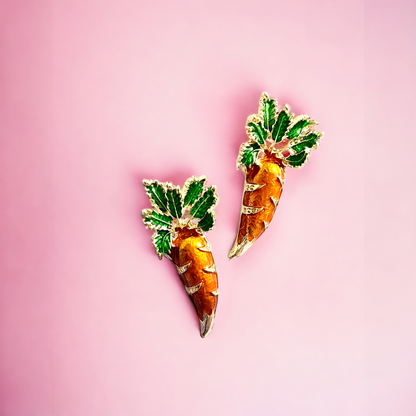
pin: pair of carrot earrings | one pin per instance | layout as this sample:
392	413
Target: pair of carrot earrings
180	217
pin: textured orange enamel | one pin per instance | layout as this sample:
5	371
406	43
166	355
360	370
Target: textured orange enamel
266	173
186	249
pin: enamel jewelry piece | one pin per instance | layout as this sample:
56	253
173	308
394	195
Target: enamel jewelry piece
277	139
179	219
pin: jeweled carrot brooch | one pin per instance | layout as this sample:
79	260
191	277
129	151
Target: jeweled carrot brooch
277	139
180	218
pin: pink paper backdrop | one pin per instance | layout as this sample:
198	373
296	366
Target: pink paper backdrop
318	318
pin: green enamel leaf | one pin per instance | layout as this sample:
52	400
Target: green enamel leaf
280	127
156	221
269	113
174	202
297	160
194	191
207	222
204	203
296	130
308	142
156	194
250	154
162	242
257	132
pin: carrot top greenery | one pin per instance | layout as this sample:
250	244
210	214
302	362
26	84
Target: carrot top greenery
290	138
191	206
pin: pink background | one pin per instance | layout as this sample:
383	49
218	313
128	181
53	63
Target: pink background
318	318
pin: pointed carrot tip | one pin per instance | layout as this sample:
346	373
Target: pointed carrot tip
239	249
206	324
233	254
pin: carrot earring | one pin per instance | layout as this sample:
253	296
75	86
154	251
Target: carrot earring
179	219
277	139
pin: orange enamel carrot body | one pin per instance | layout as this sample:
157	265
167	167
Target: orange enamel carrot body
192	251
269	175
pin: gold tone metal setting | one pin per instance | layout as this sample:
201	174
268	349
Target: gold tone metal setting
206	324
182	269
250	210
212	269
275	201
250	187
207	248
193	289
238	249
